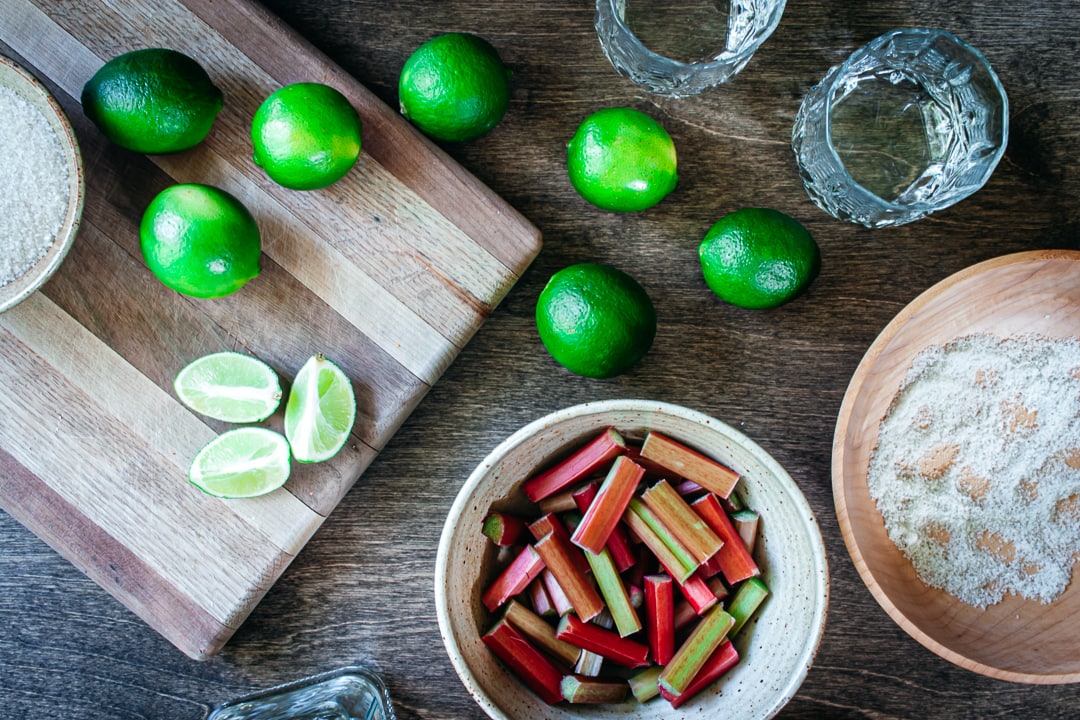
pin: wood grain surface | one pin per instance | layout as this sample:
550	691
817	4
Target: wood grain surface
361	590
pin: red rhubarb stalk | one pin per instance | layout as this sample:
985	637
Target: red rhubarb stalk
521	571
540	632
660	617
540	600
525	660
579	465
623	651
689	527
504	529
723	659
672	556
580	690
559	557
608	506
550	523
746	522
614	592
698	593
695	651
618	544
556	593
689	464
734	559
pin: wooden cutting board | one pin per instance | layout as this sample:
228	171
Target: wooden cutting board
388	272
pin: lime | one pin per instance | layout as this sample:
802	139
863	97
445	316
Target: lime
758	258
242	463
306	136
229	386
320	411
200	240
152	101
454	87
622	160
595	320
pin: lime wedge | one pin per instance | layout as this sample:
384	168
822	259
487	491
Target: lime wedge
320	411
229	386
242	463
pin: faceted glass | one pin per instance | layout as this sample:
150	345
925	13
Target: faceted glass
351	693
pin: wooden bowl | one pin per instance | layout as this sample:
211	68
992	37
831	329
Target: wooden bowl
1017	640
776	652
28	88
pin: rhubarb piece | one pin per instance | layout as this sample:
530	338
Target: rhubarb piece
530	665
644	685
504	529
540	633
689	464
580	690
660	617
550	523
698	593
618	544
734	560
695	651
589	663
521	571
622	651
557	503
540	600
614	592
579	465
684	615
746	523
559	557
608	506
723	659
690	528
747	600
719	589
637	595
556	593
673	557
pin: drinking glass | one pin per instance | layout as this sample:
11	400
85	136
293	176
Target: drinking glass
682	48
349	693
911	123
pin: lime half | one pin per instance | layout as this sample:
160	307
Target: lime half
229	386
320	412
242	463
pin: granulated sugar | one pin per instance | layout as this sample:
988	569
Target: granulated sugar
33	185
977	467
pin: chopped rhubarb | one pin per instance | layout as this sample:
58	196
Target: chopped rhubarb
557	503
614	592
521	571
685	615
607	508
747	600
559	557
689	464
540	600
673	557
550	523
589	663
734	560
746	523
581	690
719	589
541	633
577	466
723	659
698	593
622	651
637	595
695	651
660	617
530	665
618	544
504	529
643	684
689	527
556	593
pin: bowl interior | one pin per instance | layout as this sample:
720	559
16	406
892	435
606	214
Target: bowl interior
776	653
28	88
1018	640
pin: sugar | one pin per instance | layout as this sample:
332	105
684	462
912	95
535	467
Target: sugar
977	467
33	185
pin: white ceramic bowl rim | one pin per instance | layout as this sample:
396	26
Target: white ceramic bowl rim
820	579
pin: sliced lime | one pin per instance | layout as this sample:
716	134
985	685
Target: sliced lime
242	463
320	411
229	386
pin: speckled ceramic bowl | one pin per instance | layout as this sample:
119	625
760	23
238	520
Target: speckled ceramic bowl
776	651
28	88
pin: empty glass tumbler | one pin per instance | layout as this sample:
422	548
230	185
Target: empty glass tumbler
911	123
682	48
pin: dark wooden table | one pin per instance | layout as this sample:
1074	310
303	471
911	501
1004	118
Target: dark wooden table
361	592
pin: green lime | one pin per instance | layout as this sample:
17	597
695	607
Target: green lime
200	240
229	386
306	136
454	87
595	320
320	411
242	463
758	258
622	160
152	101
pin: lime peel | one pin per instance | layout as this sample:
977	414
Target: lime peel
320	411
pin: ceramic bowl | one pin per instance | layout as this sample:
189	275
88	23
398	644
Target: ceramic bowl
30	89
1017	640
775	654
